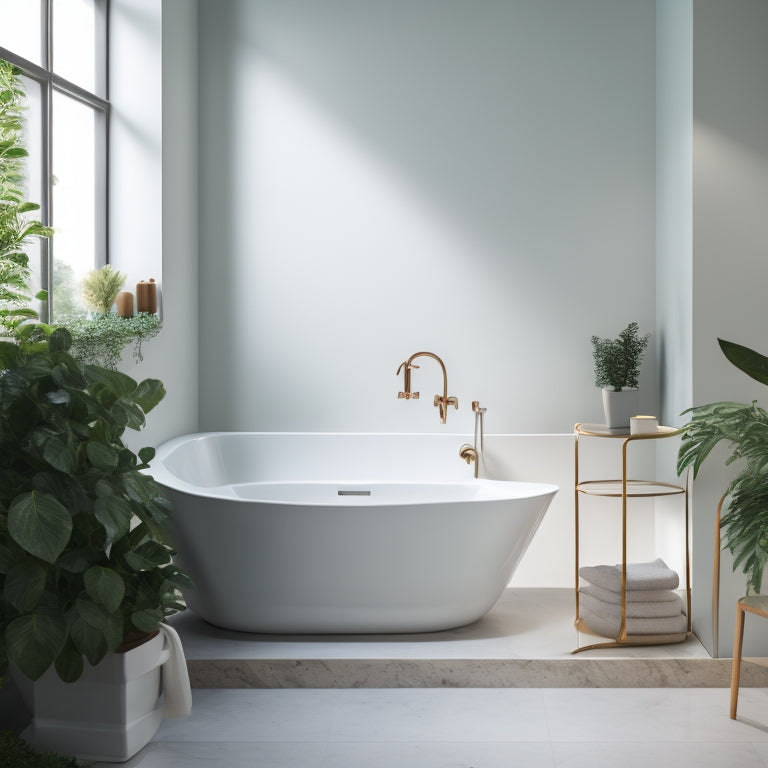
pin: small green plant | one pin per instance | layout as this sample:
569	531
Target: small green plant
85	562
17	753
102	339
99	288
745	429
617	361
16	226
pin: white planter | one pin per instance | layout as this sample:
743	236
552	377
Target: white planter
109	714
620	406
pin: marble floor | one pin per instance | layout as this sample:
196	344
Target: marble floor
463	728
502	692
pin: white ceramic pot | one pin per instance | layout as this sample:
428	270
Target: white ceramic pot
620	406
109	714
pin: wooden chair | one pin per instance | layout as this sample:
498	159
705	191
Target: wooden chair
757	604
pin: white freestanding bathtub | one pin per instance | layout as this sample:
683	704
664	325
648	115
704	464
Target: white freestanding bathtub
342	533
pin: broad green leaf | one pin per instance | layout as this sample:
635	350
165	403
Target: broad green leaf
113	632
88	640
142	562
141	488
147	620
104	586
34	640
91	613
69	663
101	456
9	354
119	415
745	359
114	513
119	384
60	340
146	455
58	397
76	560
149	393
177	577
39	525
153	552
59	455
24	585
12	386
133	415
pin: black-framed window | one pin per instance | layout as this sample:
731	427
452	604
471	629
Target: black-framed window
61	46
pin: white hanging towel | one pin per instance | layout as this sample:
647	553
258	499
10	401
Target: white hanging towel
177	693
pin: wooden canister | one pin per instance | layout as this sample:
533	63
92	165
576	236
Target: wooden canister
124	304
146	296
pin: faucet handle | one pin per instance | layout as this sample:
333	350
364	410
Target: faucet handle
454	401
408	396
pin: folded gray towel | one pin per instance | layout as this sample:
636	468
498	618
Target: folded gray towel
633	595
637	610
660	626
655	575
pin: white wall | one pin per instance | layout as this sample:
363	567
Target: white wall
376	179
153	192
476	180
730	233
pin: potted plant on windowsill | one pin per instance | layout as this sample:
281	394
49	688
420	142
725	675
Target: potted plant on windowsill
617	367
86	568
100	338
744	427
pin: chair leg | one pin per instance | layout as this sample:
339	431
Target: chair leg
738	637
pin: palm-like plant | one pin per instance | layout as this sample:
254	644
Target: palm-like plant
745	428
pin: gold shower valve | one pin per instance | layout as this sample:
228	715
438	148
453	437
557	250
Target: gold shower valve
409	395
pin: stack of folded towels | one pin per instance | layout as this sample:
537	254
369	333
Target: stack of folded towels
652	607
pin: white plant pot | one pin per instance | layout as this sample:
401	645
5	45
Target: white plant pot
620	406
109	714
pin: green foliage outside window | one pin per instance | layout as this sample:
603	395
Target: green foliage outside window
16	226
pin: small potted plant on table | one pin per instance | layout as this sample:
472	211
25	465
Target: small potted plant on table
617	367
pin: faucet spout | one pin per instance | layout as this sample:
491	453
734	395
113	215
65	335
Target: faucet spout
441	401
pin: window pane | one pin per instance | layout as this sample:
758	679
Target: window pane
33	174
20	30
74	202
74	42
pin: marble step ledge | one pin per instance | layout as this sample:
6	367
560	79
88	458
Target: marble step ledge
472	673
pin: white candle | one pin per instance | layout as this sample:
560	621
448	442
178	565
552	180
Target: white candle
643	425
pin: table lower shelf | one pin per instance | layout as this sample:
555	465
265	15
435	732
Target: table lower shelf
581	626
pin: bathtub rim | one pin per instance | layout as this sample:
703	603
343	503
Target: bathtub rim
165	477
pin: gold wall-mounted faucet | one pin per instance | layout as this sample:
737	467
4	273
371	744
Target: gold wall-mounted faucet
474	452
441	401
469	454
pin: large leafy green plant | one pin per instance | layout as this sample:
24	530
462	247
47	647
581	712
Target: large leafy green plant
617	361
85	564
745	429
16	225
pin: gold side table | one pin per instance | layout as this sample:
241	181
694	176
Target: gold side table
626	489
